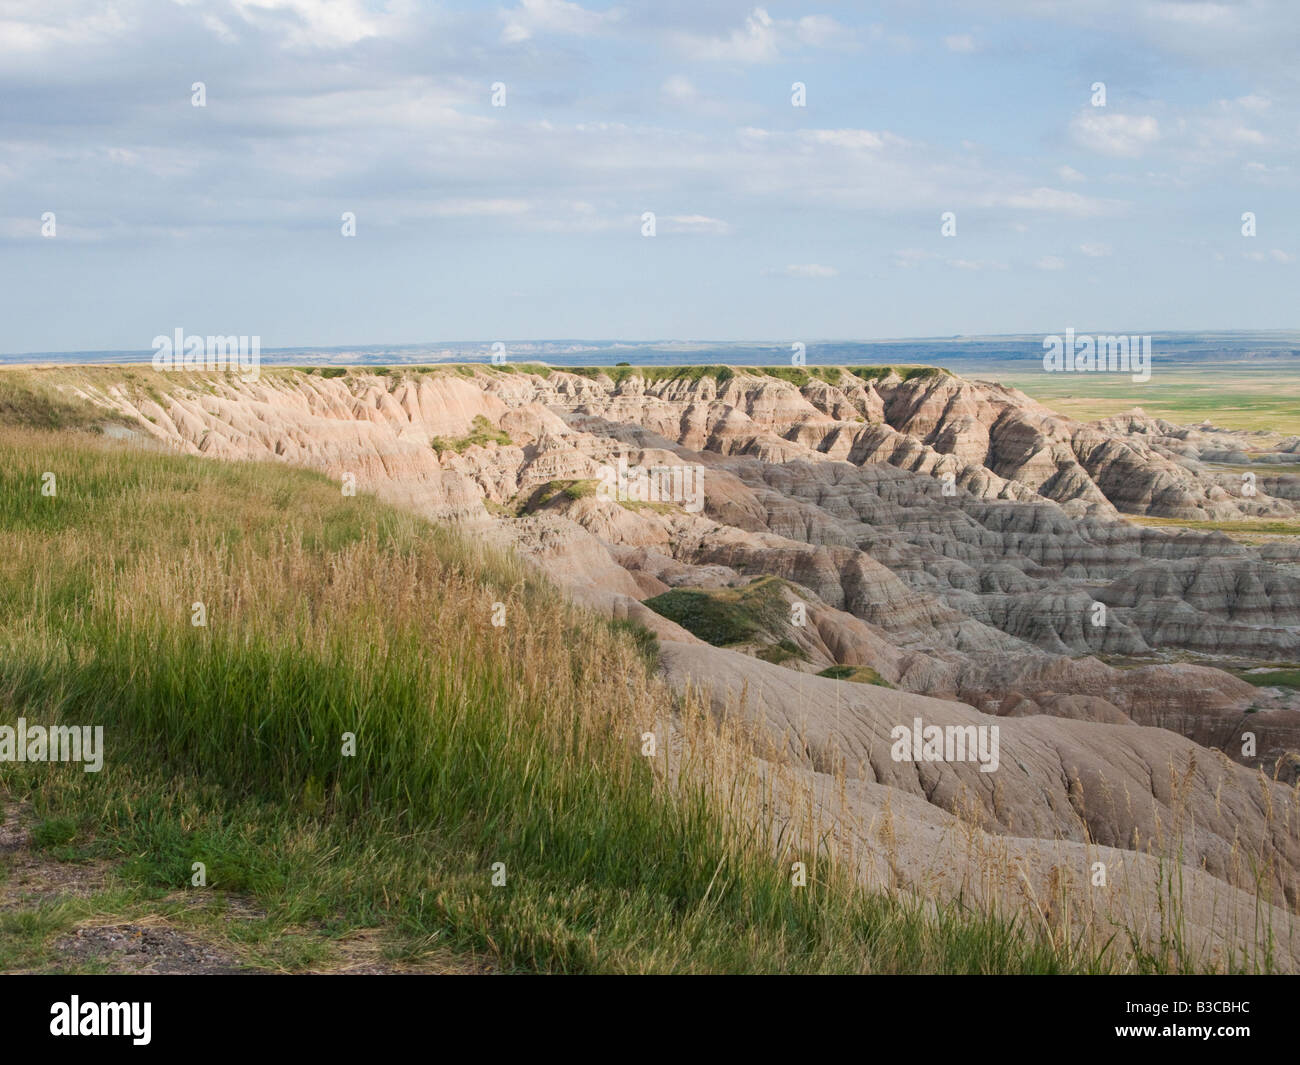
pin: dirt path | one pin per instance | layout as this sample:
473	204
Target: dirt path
73	916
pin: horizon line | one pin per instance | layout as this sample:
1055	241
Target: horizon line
397	346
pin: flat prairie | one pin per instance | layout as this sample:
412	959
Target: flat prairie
1231	395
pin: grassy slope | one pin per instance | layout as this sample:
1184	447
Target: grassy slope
726	616
476	744
855	675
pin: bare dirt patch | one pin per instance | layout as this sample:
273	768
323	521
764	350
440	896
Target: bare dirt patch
31	879
139	948
144	942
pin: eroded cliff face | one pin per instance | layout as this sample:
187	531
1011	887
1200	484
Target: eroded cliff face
962	541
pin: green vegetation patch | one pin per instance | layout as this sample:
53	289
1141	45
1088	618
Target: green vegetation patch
31	398
523	367
907	373
655	374
1234	395
481	434
556	490
645	639
781	651
799	376
726	616
1273	678
1265	526
856	675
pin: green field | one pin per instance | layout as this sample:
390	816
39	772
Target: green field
1233	396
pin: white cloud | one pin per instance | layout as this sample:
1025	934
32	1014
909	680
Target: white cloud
457	208
1050	262
315	23
849	138
532	17
1253	102
679	89
219	29
1276	255
1115	134
1096	251
1060	201
65	25
909	257
761	38
1221	133
1262	172
695	223
680	92
959	42
1257	35
1243	135
819	30
1068	173
810	270
754	42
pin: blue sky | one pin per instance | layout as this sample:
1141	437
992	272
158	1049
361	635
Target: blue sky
524	221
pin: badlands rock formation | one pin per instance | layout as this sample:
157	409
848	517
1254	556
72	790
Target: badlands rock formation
975	551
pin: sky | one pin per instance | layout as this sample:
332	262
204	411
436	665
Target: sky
475	221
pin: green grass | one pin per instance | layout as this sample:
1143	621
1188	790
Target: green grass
781	651
481	434
53	832
1281	678
797	376
856	675
655	374
573	490
31	398
646	641
25	935
521	367
907	373
1265	526
1231	395
475	743
726	616
553	490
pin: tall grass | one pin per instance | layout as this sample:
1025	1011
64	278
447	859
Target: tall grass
476	743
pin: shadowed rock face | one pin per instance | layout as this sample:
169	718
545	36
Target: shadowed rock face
959	539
